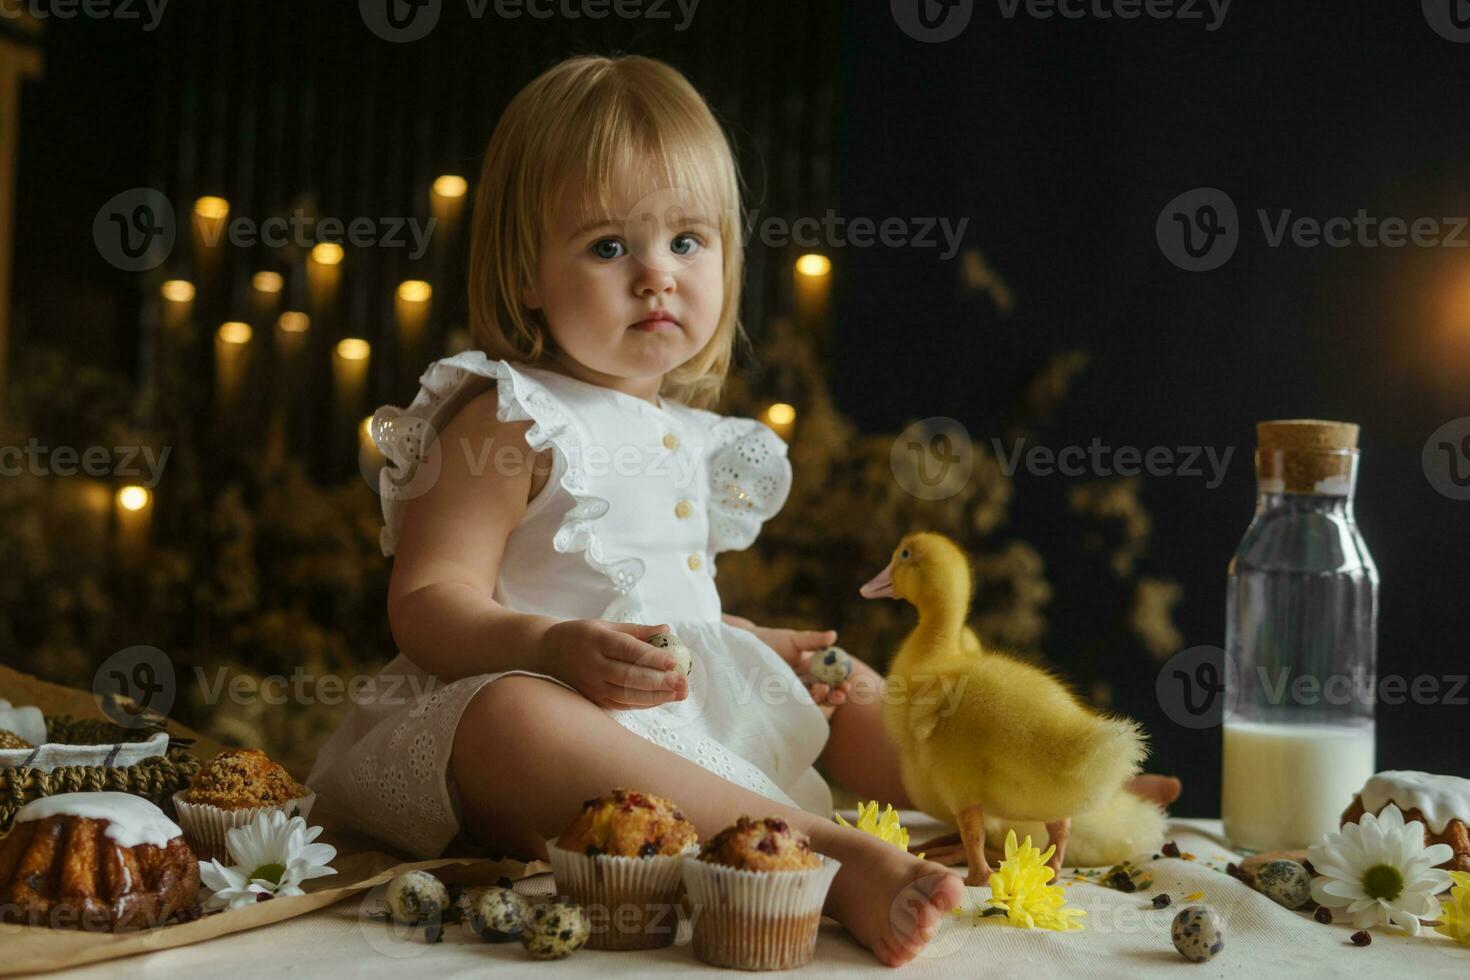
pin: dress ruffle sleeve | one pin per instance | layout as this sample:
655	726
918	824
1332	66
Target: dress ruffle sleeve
750	478
409	439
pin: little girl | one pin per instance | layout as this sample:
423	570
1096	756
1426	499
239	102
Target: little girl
557	499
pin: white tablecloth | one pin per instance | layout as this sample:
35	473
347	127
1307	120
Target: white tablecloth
1124	937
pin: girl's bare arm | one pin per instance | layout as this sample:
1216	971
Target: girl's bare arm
441	604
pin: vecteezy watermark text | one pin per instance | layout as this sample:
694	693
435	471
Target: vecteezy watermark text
836	231
39	460
1199	230
1096	459
401	21
92	9
936	21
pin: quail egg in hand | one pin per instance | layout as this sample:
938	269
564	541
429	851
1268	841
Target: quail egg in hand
831	666
683	656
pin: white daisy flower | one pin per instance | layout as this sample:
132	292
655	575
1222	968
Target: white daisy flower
1379	871
272	855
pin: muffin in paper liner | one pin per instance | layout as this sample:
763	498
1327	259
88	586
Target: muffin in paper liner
757	920
631	902
205	826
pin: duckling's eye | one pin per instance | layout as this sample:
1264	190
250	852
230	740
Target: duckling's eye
904	553
608	248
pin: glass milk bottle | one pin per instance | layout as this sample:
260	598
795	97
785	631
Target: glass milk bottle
1301	634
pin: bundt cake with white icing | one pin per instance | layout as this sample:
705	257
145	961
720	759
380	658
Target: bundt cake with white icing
96	862
1441	803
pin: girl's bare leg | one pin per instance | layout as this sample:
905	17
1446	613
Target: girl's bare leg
859	755
528	752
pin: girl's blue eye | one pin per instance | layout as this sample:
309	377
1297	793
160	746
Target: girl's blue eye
684	244
608	248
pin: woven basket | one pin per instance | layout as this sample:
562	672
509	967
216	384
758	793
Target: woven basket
153	779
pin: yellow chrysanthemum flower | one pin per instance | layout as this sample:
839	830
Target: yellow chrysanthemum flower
883	826
1021	887
1455	918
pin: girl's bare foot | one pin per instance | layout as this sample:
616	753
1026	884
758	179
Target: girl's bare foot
1162	790
890	901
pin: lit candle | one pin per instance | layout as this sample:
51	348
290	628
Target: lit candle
813	281
349	376
412	309
231	347
210	216
134	515
781	417
178	302
323	273
446	204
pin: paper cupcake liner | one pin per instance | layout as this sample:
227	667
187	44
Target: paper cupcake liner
631	902
757	920
205	826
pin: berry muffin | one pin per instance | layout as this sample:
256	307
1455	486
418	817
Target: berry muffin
761	887
620	859
629	824
761	845
229	791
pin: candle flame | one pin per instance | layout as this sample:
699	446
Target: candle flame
414	291
268	282
234	332
326	253
133	497
813	264
353	349
294	321
781	413
450	185
177	290
211	208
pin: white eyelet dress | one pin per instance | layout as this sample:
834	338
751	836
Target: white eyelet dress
639	500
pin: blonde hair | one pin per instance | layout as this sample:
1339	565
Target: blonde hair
586	118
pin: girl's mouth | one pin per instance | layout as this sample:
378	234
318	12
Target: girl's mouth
658	320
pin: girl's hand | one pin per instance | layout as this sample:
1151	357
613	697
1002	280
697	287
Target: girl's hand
612	664
797	647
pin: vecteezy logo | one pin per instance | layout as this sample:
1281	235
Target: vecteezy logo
1197	687
1450	19
1198	230
932	21
932	458
1446	459
135	686
135	229
400	21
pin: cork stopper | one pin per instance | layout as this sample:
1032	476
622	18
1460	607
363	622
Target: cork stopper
1306	456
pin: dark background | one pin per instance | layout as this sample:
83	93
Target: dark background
1060	141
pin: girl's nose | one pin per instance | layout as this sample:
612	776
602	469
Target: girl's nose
652	282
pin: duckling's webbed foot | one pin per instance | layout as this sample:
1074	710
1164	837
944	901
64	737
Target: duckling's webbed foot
949	850
1057	832
972	832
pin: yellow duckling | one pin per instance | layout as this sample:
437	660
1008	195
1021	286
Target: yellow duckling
984	735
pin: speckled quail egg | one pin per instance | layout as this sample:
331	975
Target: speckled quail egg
683	656
832	666
496	915
1286	883
554	930
417	896
1198	933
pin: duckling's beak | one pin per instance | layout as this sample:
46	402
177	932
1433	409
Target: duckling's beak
881	587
